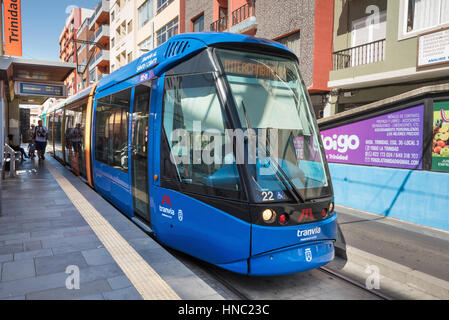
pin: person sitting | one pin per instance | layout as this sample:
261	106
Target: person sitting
15	147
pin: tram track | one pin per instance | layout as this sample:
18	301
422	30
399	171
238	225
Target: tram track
225	278
353	282
211	273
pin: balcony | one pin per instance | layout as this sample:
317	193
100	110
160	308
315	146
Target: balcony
220	25
100	59
361	55
101	14
244	18
101	35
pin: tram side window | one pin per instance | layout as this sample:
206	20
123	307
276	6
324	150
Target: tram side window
111	130
192	106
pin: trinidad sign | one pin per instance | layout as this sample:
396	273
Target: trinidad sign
13	27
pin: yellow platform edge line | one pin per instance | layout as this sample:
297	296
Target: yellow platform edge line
147	282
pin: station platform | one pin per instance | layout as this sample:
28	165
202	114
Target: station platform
413	259
59	239
420	248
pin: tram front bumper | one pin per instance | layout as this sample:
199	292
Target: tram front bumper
293	259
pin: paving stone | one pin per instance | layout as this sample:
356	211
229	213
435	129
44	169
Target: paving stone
129	293
78	233
15	236
6	257
91	297
190	287
78	247
97	257
12	248
62	293
33	254
144	243
15	298
105	271
59	263
119	282
15	270
69	241
155	255
32	245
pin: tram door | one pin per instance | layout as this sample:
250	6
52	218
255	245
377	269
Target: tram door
139	151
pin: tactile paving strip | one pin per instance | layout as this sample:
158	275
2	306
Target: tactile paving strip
146	281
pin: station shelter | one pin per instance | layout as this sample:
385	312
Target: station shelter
27	82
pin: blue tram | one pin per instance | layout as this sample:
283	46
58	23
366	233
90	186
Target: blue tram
210	139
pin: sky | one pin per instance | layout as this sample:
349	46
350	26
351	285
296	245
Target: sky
42	24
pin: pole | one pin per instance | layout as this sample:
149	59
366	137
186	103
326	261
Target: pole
1	29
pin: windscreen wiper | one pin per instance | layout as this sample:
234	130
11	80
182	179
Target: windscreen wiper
279	172
284	177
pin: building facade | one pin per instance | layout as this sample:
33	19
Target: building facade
99	47
138	26
67	47
386	48
84	53
305	26
122	36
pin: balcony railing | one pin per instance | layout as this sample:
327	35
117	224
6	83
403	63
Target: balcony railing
244	12
100	56
364	54
219	25
102	5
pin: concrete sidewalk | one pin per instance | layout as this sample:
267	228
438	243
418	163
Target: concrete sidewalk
412	255
42	233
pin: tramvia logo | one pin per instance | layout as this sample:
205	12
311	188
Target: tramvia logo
341	143
309	232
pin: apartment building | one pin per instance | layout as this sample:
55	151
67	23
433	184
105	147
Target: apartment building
99	47
386	48
305	26
138	26
122	35
84	53
67	52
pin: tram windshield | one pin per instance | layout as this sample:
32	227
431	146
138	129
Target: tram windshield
272	105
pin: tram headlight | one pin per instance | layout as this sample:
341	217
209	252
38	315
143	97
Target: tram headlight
331	207
268	215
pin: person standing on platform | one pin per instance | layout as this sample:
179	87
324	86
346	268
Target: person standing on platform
31	145
40	139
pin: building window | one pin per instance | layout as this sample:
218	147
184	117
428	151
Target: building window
92	75
112	15
111	130
145	13
146	45
130	26
292	42
198	24
113	42
426	14
130	57
167	31
161	4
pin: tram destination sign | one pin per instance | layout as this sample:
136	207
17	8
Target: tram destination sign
40	89
391	140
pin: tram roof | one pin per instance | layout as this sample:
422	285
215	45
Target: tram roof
177	49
